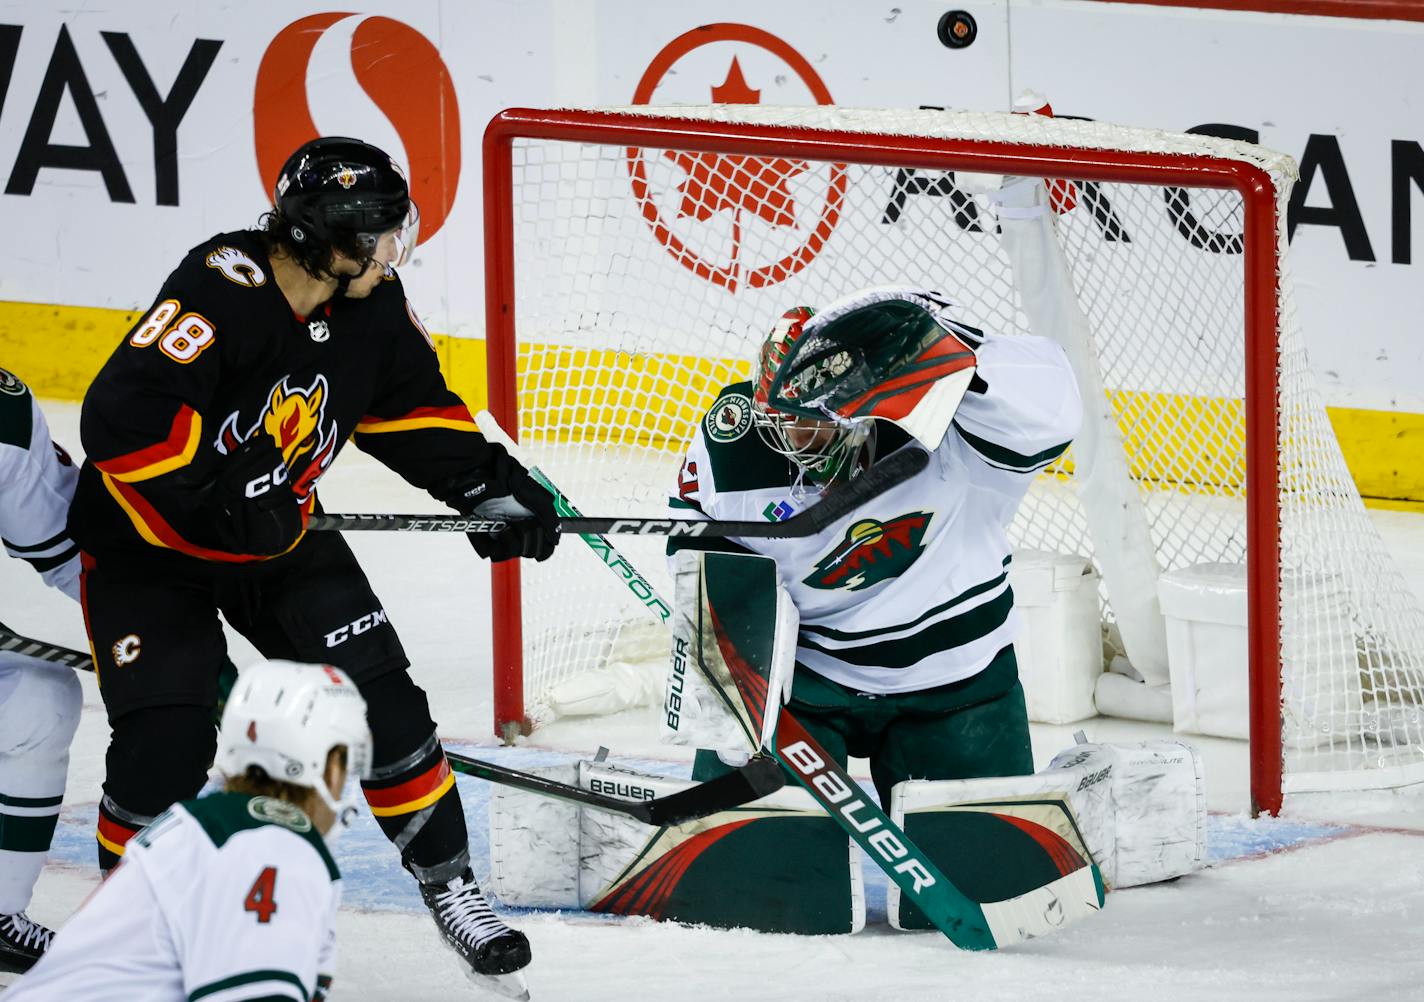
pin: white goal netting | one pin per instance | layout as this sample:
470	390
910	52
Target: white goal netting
646	276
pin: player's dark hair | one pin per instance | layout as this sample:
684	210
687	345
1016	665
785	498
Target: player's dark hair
275	231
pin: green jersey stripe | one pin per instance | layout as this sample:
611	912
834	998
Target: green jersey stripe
1008	459
24	834
964	596
250	978
945	635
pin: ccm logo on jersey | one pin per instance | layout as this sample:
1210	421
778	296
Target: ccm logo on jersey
847	801
258	486
355	628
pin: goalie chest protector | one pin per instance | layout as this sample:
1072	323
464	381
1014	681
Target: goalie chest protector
910	591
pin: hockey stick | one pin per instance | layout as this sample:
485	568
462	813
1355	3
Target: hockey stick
756	779
894	469
759	777
968	924
10	641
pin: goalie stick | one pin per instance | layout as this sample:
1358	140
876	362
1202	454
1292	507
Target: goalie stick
968	924
760	776
893	470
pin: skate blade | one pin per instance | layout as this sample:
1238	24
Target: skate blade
511	986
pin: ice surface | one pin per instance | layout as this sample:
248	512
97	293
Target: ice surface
1312	906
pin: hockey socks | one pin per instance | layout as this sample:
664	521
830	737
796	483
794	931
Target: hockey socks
415	802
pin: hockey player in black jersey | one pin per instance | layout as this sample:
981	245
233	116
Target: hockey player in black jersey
206	433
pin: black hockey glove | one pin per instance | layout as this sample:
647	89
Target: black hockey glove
504	490
259	512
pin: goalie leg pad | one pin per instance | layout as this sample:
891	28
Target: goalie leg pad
1151	796
1138	809
778	865
734	650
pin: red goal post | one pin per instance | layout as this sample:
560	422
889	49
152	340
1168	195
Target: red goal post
920	141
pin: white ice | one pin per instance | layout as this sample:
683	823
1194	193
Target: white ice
1330	918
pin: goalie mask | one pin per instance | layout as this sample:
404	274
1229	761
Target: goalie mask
822	447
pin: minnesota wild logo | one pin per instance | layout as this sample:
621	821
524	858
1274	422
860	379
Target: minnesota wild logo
871	552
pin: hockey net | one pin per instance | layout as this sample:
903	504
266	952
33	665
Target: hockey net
636	258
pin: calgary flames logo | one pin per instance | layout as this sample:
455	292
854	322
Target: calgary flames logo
296	420
872	552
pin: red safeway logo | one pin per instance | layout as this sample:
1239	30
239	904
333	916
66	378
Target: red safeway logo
400	71
734	220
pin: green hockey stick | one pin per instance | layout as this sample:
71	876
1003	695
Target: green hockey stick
968	924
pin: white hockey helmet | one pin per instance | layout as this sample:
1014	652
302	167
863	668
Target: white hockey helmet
285	718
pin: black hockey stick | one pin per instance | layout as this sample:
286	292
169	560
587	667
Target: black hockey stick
759	777
10	641
892	470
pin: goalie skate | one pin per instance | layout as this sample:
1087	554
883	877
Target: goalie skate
492	952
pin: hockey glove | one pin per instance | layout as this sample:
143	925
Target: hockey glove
502	489
259	512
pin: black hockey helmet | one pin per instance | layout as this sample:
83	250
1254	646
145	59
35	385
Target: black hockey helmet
341	193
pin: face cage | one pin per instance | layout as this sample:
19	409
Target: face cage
820	463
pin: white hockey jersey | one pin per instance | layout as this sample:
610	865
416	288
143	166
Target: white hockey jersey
224	898
37	483
911	591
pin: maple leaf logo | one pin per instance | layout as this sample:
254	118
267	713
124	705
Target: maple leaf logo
717	182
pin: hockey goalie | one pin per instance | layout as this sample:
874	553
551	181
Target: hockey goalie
885	635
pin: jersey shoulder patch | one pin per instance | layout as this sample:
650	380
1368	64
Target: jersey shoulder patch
740	460
236	265
17	416
223	815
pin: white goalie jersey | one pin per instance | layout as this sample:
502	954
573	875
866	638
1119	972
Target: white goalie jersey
911	591
36	485
223	898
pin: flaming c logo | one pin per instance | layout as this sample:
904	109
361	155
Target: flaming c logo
294	419
776	211
400	70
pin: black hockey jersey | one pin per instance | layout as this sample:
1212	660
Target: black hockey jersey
221	356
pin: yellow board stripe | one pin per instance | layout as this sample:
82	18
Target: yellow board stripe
578	393
411	424
411	806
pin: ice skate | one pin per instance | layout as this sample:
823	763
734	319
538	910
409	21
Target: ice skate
493	952
22	942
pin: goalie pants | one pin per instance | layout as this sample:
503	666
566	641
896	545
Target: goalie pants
158	645
968	729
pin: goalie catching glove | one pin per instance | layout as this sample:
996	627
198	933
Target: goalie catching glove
504	490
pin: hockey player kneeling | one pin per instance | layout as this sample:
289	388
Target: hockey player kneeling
233	895
904	621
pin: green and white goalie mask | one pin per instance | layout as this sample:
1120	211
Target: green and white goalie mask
823	377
